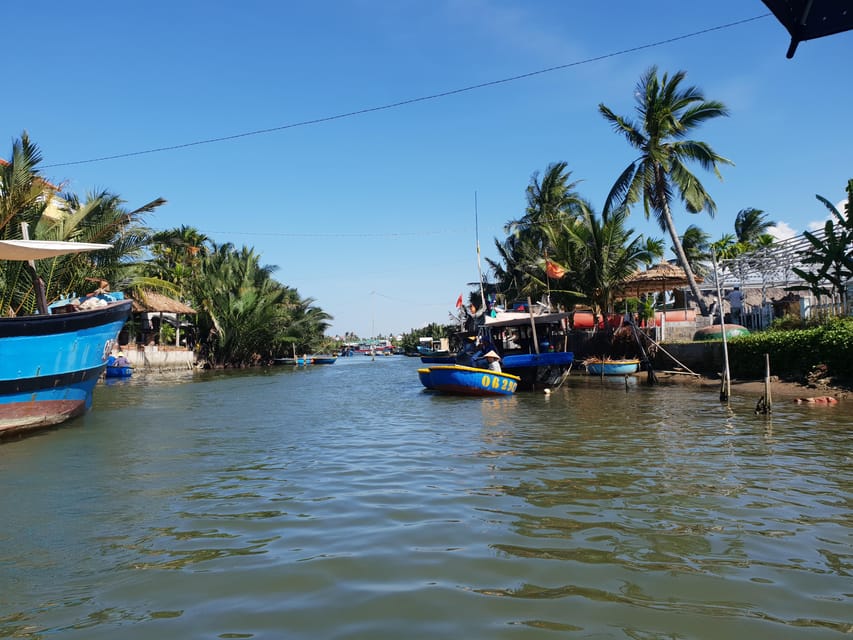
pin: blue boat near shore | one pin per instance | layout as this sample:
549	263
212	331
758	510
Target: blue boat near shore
50	362
599	367
468	381
116	371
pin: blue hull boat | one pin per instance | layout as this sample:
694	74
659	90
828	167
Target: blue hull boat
468	381
612	367
119	372
49	364
538	370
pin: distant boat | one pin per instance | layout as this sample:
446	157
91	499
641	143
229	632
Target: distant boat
324	358
50	362
602	367
293	362
468	381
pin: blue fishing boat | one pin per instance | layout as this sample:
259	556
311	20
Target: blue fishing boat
447	358
118	371
600	367
50	362
323	358
294	362
468	381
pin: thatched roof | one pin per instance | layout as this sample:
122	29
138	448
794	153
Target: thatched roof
152	302
661	277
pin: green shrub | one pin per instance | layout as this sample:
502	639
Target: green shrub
794	353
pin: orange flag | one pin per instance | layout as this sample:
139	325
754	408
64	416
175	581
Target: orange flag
553	270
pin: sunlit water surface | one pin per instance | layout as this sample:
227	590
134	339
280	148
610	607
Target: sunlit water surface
344	501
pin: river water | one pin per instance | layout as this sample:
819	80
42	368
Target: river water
344	501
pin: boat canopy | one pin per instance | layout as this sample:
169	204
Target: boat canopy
517	318
41	249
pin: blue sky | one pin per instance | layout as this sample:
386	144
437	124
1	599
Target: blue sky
372	215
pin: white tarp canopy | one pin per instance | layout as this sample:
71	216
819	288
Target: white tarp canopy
41	249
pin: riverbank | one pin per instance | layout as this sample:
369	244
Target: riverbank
787	390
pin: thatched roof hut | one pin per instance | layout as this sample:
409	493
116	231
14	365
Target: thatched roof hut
152	302
659	278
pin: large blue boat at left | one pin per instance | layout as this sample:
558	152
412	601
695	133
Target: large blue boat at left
50	362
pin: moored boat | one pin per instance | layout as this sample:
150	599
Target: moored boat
323	358
294	362
602	367
468	381
533	345
50	362
118	371
715	332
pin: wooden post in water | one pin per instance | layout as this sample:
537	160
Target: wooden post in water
765	404
726	383
533	326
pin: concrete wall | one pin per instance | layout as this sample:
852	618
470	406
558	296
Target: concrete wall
156	358
705	357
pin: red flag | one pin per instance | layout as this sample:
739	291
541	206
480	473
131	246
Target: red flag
459	301
554	270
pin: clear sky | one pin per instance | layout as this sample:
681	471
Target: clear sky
372	215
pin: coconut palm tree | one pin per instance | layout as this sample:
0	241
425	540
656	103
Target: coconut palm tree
551	202
751	225
667	113
548	202
697	248
598	253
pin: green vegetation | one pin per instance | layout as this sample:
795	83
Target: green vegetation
832	255
244	316
793	353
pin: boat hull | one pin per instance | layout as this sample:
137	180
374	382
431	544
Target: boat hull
438	359
468	381
715	332
613	367
49	364
538	370
119	372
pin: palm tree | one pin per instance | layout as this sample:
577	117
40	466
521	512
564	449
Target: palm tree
25	196
550	203
598	255
751	225
697	248
667	115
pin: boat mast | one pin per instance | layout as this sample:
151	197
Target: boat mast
479	266
38	283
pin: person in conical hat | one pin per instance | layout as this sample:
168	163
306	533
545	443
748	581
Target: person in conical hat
493	360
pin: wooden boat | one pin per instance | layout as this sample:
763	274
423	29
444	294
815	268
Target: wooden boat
324	358
601	367
50	362
468	381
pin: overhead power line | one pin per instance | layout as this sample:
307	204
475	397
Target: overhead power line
402	103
